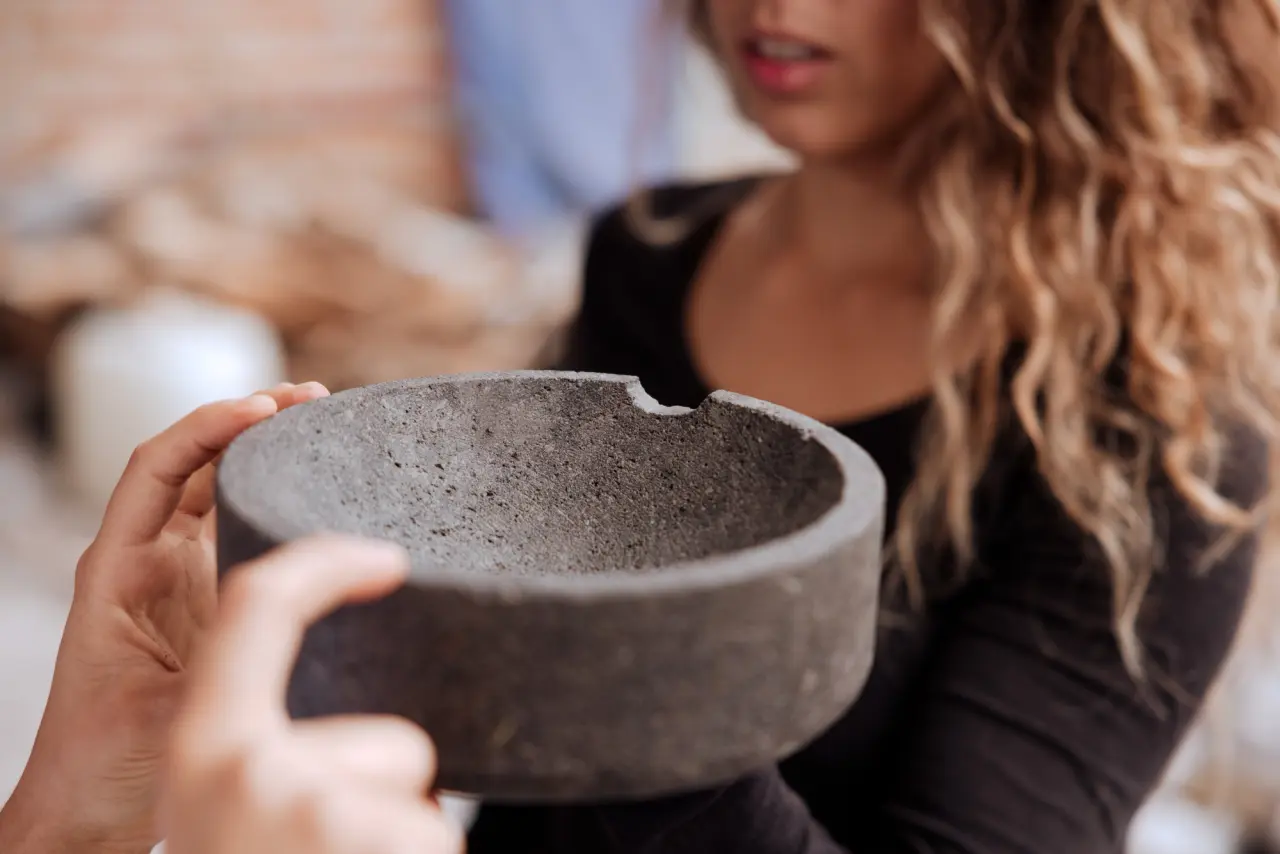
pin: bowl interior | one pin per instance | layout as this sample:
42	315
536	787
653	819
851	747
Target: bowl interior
528	475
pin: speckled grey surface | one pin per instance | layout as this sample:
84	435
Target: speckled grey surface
609	599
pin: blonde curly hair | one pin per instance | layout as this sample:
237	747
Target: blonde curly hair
1102	181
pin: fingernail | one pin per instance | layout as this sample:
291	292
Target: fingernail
314	386
261	401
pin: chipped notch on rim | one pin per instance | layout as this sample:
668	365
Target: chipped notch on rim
647	403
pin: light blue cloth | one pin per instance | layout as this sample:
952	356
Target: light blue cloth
566	104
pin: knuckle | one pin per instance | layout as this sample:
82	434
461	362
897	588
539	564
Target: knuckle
86	566
151	459
209	408
142	454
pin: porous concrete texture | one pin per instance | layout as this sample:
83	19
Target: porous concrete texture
610	598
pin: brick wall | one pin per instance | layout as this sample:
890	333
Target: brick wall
366	79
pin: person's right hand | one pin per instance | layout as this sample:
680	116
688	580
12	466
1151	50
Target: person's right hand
244	779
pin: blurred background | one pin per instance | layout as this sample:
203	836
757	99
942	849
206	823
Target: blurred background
201	199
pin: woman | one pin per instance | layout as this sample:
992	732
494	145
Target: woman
1028	261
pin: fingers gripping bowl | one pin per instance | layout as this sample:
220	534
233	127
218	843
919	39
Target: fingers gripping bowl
609	598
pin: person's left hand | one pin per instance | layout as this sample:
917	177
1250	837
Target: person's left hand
145	592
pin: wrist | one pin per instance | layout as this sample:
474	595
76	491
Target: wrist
28	826
23	830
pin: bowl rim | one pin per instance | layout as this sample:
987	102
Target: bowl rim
857	514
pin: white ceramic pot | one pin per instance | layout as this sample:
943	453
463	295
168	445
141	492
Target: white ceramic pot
122	375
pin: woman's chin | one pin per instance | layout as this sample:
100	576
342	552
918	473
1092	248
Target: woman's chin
809	136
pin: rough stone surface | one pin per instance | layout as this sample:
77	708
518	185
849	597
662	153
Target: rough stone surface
609	599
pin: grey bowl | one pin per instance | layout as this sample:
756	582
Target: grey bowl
610	598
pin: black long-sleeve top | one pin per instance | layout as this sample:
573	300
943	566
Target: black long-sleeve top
1002	721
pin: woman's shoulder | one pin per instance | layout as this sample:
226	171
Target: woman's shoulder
641	257
660	215
660	233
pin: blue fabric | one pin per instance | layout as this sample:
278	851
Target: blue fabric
566	103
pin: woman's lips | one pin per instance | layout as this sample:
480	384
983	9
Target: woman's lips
784	66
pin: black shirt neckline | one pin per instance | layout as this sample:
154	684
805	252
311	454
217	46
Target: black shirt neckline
694	251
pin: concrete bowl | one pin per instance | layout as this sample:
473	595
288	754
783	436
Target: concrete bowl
610	598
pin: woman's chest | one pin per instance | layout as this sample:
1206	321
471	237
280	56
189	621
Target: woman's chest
832	355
